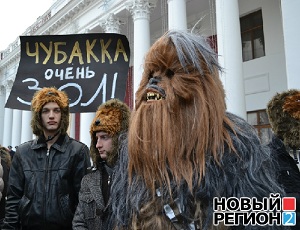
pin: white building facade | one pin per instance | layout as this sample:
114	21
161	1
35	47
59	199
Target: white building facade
257	63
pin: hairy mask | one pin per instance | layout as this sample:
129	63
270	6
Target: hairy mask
179	118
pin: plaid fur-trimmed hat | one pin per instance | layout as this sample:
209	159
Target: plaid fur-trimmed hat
40	98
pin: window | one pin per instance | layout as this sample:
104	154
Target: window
253	42
260	121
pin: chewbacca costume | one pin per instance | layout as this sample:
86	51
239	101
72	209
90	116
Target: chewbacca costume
183	148
284	115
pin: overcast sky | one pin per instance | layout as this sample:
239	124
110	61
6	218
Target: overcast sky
17	15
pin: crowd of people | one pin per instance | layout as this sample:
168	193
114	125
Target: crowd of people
159	166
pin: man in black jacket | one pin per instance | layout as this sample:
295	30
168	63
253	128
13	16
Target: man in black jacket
46	173
284	115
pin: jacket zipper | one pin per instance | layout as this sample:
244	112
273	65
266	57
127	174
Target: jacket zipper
46	184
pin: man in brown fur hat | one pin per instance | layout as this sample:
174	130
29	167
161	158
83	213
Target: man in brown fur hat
284	115
46	172
108	129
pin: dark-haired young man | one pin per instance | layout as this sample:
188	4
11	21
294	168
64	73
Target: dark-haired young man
46	172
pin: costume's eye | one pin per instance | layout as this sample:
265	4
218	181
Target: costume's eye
169	73
150	75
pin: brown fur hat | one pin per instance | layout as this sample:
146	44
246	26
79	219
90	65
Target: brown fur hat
111	117
5	156
284	115
40	98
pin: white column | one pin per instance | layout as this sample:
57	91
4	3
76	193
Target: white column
26	133
2	104
85	122
140	10
291	33
177	14
111	24
16	127
230	55
72	125
8	115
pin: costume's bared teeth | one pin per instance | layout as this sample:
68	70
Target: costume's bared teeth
152	96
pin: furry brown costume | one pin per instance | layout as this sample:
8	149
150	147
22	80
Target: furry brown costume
184	149
174	104
40	98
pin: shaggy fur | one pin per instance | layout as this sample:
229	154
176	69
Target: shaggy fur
40	98
194	105
5	156
183	143
284	115
111	117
